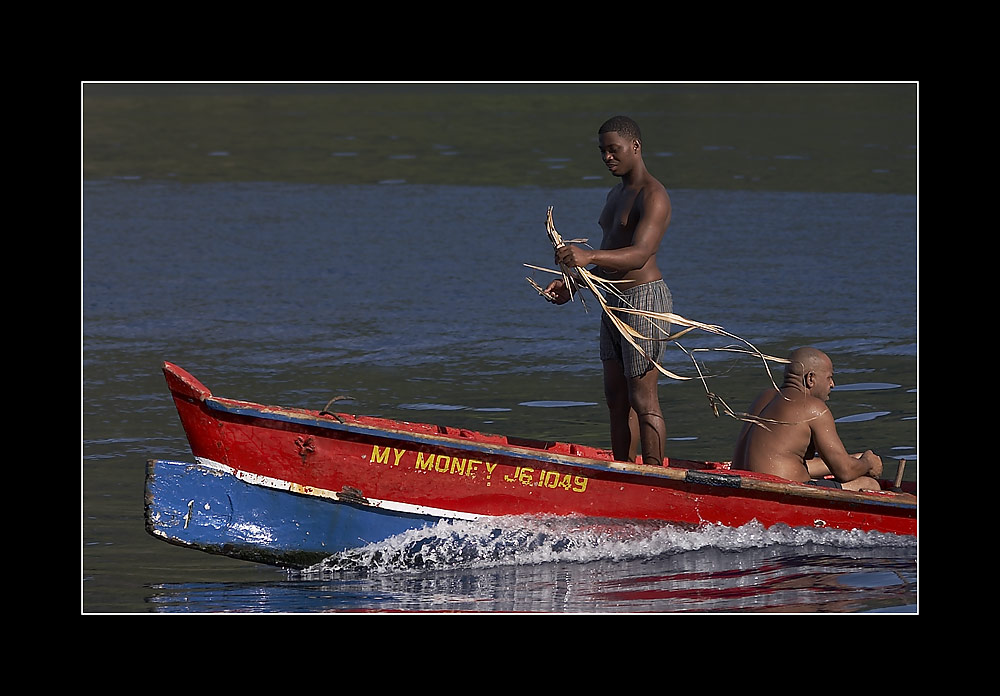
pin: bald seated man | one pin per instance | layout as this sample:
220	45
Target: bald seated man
803	445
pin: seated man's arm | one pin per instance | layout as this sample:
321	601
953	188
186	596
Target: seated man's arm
830	449
817	468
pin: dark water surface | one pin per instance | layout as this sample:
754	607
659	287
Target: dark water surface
409	296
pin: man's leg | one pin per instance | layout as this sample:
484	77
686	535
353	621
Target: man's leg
644	400
864	483
624	426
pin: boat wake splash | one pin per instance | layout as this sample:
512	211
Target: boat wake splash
535	540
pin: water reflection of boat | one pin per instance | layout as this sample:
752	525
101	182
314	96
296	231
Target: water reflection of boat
290	486
651	573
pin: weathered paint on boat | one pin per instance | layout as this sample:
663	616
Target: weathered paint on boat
214	510
415	473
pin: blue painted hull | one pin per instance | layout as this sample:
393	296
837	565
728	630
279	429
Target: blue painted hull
199	507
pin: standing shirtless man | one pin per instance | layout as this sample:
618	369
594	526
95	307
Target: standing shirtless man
803	445
634	220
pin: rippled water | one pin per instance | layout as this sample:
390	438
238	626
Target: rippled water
584	566
275	301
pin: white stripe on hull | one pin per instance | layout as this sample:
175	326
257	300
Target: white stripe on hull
279	484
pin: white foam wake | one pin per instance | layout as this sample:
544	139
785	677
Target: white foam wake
532	540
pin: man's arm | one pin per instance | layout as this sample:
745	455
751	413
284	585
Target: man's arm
645	241
817	468
831	450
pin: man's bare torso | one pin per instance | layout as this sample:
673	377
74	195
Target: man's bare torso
621	215
780	448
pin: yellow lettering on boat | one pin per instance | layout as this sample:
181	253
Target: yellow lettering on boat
424	464
442	464
527	476
461	466
380	456
445	464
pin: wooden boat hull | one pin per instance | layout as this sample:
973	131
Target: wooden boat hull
202	507
377	476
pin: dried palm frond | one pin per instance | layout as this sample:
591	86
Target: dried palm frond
576	278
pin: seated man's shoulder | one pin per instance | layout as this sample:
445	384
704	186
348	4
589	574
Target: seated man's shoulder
816	408
797	409
763	400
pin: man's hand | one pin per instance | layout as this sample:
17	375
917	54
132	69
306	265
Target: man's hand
556	292
875	463
574	256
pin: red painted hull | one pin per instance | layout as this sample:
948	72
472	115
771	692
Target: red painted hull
457	473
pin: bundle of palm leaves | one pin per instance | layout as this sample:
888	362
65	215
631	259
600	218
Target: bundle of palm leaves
577	278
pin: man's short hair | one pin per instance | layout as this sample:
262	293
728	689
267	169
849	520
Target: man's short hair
623	126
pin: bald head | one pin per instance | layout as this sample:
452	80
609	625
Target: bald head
807	359
809	368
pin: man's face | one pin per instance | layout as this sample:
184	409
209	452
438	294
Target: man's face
617	153
823	384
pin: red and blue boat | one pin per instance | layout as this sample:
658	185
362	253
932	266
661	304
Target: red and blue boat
290	486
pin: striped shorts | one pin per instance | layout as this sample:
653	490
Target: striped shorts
652	297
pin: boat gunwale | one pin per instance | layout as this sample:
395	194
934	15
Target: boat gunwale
716	477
